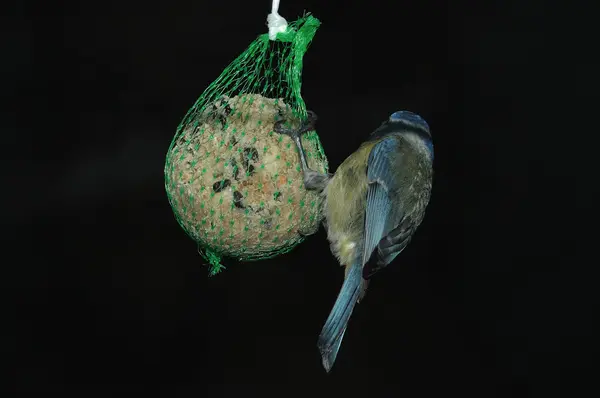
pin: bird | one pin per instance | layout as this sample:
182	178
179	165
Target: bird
372	206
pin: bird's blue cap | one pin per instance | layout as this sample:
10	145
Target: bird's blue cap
411	119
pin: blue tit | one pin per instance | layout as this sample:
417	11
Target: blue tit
373	204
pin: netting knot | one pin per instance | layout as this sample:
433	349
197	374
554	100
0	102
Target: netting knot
275	22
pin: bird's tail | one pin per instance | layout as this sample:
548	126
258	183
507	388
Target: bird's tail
333	331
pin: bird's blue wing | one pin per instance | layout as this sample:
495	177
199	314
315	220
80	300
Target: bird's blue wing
386	229
388	248
381	180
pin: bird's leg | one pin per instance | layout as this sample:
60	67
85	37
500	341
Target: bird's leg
312	179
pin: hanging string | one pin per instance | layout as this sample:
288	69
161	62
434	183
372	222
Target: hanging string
275	22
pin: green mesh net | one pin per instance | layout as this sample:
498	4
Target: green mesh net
234	184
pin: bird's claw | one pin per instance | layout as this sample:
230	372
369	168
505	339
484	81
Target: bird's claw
307	125
312	179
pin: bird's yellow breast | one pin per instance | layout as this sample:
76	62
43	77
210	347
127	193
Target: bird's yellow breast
345	205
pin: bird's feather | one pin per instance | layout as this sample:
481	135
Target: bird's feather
333	331
380	179
385	231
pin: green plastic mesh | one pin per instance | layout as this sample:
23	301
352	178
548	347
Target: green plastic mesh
234	184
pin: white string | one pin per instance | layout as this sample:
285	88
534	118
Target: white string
275	22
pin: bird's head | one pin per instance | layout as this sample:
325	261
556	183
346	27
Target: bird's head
409	121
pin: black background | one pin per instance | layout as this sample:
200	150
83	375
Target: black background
107	293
